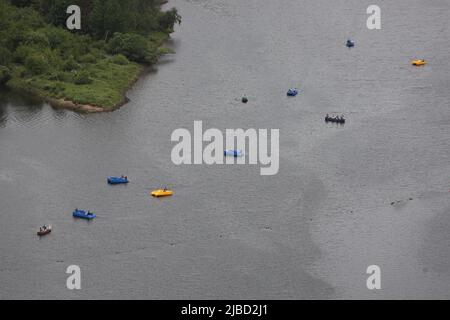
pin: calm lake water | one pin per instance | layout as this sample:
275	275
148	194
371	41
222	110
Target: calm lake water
310	231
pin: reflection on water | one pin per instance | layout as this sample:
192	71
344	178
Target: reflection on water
18	109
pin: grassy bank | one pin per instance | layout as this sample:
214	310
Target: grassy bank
110	78
83	71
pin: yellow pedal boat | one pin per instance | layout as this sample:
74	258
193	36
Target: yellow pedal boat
418	62
161	193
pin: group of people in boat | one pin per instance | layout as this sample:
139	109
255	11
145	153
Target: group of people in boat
43	228
124	177
337	119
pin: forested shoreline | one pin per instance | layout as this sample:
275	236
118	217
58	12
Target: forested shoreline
88	69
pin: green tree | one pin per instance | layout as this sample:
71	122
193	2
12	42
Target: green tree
22	52
114	17
36	64
168	19
5	74
70	64
36	38
57	11
21	3
120	59
133	46
97	19
5	56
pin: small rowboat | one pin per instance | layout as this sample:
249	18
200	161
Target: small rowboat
161	193
292	92
118	180
335	120
45	230
83	214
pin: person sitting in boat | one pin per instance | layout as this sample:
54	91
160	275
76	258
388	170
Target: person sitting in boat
165	189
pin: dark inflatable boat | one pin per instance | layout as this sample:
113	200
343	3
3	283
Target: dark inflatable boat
334	119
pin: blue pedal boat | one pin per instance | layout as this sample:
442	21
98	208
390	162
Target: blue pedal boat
233	153
117	180
82	214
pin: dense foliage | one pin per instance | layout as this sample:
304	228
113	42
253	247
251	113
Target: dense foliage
103	17
92	65
5	74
